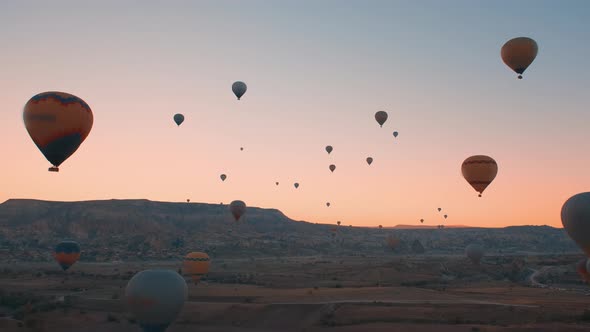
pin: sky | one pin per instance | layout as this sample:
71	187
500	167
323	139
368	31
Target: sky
317	71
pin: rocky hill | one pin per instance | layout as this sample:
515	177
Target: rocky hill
141	229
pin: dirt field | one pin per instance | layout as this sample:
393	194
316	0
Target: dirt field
340	294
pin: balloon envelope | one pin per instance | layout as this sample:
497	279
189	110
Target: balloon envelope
178	118
329	149
223	177
581	268
296	185
58	123
479	171
519	53
369	160
575	217
239	88
328	204
67	253
332	168
196	265
381	117
237	209
395	133
474	252
155	298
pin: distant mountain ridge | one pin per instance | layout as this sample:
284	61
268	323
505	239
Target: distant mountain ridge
139	228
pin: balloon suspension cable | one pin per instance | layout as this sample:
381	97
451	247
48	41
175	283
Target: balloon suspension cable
53	169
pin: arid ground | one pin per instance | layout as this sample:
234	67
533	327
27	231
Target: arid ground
314	293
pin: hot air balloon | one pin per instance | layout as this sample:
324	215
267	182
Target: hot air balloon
196	265
369	160
155	298
67	253
58	123
296	185
381	117
188	200
422	220
241	149
395	133
439	209
328	204
223	177
237	209
178	118
479	171
519	53
380	226
338	222
239	88
329	149
332	168
392	242
575	217
445	216
474	252
582	271
277	183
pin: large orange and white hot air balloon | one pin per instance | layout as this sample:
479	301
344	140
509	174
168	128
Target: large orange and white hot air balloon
575	217
58	123
479	171
196	265
519	53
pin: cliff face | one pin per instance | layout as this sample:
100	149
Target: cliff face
140	228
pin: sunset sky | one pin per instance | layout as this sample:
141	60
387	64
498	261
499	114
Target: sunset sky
317	71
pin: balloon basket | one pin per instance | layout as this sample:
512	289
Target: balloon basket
53	169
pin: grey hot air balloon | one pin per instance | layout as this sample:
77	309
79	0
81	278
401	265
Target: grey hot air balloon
155	298
239	88
296	184
395	133
178	118
381	117
237	209
329	149
369	160
474	252
223	177
332	168
575	217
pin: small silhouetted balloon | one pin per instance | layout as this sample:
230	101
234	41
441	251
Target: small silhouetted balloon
369	160
239	88
178	118
296	185
332	167
381	117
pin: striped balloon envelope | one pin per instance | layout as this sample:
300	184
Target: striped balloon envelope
58	123
479	171
67	253
196	265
